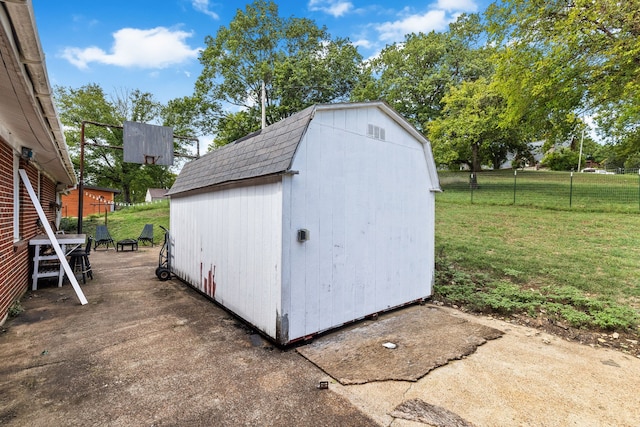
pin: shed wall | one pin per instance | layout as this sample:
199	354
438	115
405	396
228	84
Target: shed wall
228	243
367	205
95	201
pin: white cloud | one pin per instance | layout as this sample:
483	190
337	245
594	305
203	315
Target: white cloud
156	48
336	8
433	20
457	5
203	6
363	43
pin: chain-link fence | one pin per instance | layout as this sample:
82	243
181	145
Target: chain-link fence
558	190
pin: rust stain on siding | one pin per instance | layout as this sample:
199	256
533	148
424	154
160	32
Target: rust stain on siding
209	281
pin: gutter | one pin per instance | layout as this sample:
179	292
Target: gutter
21	16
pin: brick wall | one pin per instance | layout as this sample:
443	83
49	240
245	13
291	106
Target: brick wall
15	261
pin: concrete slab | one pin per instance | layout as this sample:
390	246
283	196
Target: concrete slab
402	345
525	378
145	352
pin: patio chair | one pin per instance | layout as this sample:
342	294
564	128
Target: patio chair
80	258
146	235
103	237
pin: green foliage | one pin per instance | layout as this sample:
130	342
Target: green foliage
104	166
562	160
297	61
234	126
470	130
414	76
559	60
566	303
15	309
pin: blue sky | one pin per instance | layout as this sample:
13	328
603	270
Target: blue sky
153	45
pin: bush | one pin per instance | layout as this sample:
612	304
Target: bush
561	160
15	309
481	294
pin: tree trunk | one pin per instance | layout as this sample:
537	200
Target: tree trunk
475	165
126	193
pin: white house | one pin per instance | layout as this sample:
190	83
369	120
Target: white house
155	194
318	220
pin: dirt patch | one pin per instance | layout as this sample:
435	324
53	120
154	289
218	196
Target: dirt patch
624	341
403	345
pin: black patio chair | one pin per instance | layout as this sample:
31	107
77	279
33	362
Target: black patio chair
103	237
146	235
80	258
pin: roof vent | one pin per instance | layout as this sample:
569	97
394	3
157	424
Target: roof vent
375	132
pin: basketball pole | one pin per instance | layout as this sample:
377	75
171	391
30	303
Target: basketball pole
83	143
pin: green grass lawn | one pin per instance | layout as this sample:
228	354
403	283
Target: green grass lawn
126	222
551	190
582	266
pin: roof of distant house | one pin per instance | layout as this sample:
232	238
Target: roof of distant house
109	190
157	192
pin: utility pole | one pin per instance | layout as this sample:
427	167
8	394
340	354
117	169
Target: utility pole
263	95
580	156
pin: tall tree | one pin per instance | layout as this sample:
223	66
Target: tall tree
298	63
104	166
563	59
415	75
470	130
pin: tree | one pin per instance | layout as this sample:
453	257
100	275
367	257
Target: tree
414	76
470	130
298	63
563	159
104	166
563	59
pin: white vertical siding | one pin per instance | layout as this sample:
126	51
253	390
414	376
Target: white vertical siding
370	214
235	236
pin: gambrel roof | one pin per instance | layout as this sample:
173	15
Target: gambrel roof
270	151
265	152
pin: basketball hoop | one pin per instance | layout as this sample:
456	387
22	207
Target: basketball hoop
147	144
150	160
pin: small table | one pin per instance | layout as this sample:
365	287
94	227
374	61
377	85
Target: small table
132	243
67	242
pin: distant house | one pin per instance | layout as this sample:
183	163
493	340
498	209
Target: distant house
154	194
315	221
97	200
531	159
31	143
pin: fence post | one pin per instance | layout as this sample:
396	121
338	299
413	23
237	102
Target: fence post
471	180
571	189
515	173
638	189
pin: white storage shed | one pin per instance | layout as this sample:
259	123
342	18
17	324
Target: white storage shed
318	220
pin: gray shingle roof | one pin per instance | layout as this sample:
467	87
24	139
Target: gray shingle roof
157	192
265	152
